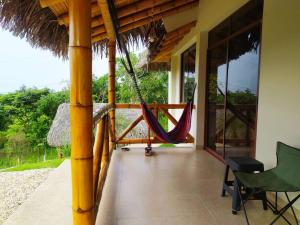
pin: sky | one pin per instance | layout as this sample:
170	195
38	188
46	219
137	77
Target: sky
20	65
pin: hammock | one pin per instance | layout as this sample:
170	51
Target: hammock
179	133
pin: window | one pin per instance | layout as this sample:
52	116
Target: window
232	82
187	81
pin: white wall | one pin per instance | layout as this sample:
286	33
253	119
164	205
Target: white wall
279	88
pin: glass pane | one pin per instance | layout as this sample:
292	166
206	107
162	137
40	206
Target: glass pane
216	91
188	73
242	93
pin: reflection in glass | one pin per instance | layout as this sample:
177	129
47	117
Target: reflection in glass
216	90
232	76
242	93
188	73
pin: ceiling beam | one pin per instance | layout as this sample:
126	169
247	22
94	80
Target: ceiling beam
107	19
131	7
50	3
146	13
147	20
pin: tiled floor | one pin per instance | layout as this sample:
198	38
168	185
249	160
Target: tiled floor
177	186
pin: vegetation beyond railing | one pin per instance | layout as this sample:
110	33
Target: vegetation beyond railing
156	108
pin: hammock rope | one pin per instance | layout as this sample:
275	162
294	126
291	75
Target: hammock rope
179	133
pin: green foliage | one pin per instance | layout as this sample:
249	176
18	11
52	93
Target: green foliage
3	139
27	114
154	85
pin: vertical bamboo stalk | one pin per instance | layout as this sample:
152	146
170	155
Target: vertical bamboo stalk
81	111
104	166
111	85
98	151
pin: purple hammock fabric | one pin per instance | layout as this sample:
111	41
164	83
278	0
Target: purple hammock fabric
179	132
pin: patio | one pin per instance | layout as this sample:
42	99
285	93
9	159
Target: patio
176	186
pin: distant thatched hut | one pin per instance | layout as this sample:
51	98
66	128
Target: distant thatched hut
59	133
146	63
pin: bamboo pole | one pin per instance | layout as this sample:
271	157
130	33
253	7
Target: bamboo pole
103	5
111	85
104	168
81	110
98	151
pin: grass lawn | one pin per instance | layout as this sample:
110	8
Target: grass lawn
167	145
39	165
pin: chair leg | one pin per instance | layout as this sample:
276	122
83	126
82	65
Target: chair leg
242	201
225	181
236	200
292	208
284	209
264	200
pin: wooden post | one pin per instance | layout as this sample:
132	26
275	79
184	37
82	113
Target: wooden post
111	86
81	108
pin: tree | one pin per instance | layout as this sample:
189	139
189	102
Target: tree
154	85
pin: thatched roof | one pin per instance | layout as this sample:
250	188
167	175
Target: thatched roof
59	133
145	63
45	25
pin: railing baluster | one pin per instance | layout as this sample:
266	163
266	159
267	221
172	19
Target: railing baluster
98	150
104	165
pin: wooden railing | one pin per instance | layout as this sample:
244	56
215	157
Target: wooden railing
103	149
104	141
156	108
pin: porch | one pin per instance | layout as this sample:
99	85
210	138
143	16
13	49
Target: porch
176	186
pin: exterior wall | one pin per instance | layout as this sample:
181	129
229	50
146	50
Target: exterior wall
279	82
279	88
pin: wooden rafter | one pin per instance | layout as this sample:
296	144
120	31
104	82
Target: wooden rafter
171	39
133	16
147	20
107	19
50	3
132	7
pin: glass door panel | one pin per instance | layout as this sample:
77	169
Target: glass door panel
216	88
242	93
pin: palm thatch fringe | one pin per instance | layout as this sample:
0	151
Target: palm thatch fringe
40	27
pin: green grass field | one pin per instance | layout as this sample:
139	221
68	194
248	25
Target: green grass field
38	165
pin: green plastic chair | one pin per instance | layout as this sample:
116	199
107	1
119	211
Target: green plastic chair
285	177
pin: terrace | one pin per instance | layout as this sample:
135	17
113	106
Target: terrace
202	40
176	186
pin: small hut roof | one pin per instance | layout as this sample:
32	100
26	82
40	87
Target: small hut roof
59	133
145	63
44	23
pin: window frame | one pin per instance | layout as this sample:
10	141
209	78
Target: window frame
182	80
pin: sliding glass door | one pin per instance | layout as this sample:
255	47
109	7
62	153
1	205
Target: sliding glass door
233	67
